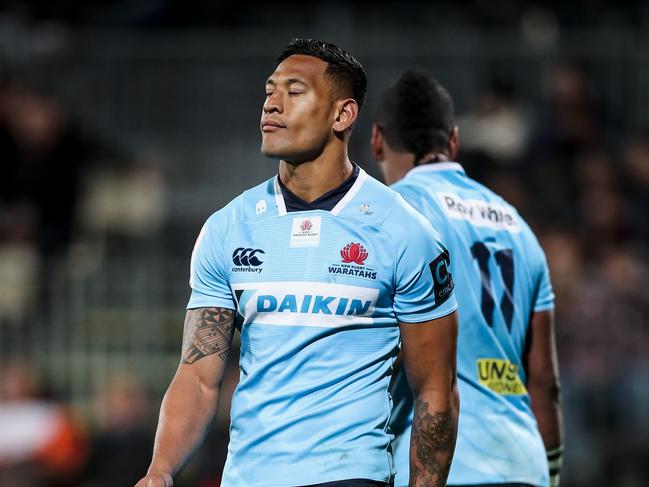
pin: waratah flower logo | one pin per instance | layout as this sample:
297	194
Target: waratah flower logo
354	252
306	226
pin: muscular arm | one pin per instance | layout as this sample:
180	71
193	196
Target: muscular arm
428	353
542	369
191	400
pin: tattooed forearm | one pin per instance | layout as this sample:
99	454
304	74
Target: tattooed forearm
207	331
431	445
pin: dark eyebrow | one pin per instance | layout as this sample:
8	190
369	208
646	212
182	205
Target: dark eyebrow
296	80
289	81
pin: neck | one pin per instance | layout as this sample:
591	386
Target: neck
433	157
311	179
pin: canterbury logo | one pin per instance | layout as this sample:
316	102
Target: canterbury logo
247	257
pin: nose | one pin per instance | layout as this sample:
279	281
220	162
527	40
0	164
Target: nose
273	103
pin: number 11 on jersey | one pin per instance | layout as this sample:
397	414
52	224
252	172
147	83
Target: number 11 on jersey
505	260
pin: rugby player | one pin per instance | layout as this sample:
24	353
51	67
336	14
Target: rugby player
507	365
324	270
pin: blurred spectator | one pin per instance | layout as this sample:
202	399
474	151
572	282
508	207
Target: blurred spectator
497	128
121	446
601	202
569	122
125	201
44	155
636	178
41	444
572	120
606	332
566	261
49	167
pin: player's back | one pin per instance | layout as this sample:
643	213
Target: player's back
501	278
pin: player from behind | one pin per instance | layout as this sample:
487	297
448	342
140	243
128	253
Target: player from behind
324	270
510	424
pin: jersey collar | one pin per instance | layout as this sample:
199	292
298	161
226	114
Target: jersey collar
341	195
437	166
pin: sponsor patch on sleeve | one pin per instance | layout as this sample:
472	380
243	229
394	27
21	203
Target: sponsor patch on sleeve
442	278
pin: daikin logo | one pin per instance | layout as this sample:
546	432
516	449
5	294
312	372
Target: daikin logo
312	303
305	303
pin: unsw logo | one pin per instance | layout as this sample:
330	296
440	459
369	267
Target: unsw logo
247	260
353	262
501	376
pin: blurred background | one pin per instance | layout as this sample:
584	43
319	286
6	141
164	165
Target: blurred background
125	124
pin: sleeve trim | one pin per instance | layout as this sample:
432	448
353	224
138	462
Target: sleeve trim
417	319
544	307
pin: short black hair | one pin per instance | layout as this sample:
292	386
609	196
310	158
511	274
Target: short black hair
343	68
416	114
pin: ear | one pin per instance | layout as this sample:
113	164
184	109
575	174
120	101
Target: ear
454	143
376	143
346	115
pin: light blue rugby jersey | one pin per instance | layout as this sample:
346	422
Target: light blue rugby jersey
318	295
501	277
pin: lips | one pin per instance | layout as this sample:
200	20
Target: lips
270	125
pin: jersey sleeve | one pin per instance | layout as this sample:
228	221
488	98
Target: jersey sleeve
207	276
544	300
424	285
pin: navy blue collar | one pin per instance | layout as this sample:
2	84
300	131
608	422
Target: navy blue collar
325	202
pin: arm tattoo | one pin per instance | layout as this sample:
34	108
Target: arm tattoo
431	445
207	331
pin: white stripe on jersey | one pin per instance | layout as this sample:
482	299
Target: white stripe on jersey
360	179
279	199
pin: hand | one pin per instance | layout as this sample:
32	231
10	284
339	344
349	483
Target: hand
156	480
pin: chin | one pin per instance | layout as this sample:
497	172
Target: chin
279	153
269	150
271	155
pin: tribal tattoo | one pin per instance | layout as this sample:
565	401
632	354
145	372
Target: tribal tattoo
207	331
431	445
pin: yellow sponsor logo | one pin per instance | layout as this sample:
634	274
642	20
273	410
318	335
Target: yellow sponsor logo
500	376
